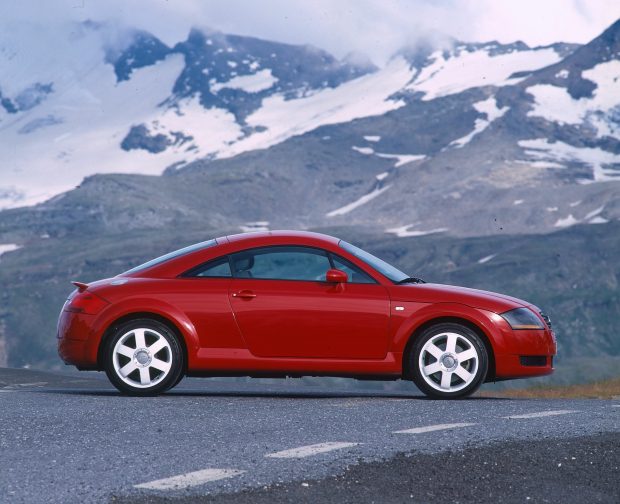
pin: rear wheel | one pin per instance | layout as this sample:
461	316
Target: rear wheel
143	357
448	361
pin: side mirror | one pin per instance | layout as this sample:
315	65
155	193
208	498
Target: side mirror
336	276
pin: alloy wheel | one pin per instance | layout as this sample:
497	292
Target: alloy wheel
142	357
448	362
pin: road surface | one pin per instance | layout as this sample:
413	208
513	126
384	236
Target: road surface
73	438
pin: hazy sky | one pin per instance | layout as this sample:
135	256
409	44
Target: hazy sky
375	27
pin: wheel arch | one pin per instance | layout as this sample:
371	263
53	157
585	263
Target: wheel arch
415	334
107	334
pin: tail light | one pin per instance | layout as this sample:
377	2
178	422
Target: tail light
85	302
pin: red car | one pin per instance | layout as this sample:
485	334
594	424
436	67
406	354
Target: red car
278	304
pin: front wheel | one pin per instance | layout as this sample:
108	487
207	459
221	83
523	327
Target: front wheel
448	361
143	357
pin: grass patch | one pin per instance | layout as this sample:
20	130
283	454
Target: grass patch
604	389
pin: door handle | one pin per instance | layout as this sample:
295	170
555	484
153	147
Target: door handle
244	294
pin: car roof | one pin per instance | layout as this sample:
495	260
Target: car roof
277	236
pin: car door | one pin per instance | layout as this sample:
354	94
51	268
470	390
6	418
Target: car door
285	308
202	293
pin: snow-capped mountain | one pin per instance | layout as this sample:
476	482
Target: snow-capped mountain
88	102
502	137
482	129
100	100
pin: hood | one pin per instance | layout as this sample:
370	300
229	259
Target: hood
439	293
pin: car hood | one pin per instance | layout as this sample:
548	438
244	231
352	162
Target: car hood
439	293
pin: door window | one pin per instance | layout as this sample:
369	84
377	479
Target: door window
355	274
282	263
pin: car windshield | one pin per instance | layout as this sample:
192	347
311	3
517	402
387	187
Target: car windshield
172	255
380	265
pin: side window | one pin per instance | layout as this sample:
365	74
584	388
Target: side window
216	268
356	275
282	263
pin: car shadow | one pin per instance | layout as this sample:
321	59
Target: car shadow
265	395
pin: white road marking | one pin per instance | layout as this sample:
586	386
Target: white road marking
432	428
307	451
16	386
189	479
541	414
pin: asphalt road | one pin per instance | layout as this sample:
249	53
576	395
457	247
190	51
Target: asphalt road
75	439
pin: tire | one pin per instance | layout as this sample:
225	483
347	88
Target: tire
181	376
448	361
143	358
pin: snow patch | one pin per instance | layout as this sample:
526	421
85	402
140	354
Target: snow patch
210	128
401	159
407	231
566	222
594	213
555	104
486	259
359	202
456	73
490	109
597	159
598	220
383	175
363	150
517	202
252	83
8	247
372	138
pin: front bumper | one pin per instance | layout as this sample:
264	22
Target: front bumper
524	353
512	366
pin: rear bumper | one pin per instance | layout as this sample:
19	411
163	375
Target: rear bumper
74	341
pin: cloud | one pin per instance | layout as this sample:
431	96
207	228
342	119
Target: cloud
375	27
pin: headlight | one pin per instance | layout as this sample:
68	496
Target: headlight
522	318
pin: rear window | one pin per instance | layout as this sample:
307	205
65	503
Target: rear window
172	255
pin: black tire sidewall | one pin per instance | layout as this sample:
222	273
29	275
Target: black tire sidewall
176	371
472	337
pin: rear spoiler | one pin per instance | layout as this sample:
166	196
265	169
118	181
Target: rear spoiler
80	286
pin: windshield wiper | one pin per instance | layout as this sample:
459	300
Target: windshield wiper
410	280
